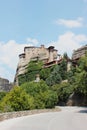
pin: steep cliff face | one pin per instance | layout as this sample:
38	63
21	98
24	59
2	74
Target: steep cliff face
5	85
79	53
31	53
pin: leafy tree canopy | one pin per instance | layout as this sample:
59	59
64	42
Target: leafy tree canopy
54	77
43	96
80	77
63	91
2	94
16	100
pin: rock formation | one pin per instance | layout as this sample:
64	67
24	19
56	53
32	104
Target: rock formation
31	53
5	85
79	53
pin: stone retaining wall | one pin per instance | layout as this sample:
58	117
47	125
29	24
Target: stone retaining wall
9	115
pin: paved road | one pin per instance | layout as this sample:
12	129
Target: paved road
70	118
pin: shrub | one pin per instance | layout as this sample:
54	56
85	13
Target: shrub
2	94
43	96
63	91
17	100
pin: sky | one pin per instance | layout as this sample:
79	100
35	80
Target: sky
60	23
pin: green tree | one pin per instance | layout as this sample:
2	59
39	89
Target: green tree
44	73
51	99
33	88
81	82
63	69
65	56
54	77
2	94
41	93
70	75
80	77
16	100
63	91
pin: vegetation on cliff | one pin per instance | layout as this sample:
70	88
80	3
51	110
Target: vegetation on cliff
33	69
55	86
52	75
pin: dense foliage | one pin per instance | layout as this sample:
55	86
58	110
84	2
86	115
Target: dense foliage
80	76
64	89
31	71
54	77
43	96
16	100
2	94
55	88
58	74
45	73
63	69
30	95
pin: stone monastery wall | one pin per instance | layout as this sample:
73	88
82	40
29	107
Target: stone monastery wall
32	53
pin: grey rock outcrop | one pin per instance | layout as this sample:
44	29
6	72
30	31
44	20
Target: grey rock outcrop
77	99
5	85
79	53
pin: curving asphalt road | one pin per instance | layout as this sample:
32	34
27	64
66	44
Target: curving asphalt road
70	118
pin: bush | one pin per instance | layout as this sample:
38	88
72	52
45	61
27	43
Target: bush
17	100
2	94
51	99
63	91
43	96
80	76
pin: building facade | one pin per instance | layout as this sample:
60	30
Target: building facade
31	53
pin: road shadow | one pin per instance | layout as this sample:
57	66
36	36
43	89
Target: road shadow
83	111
